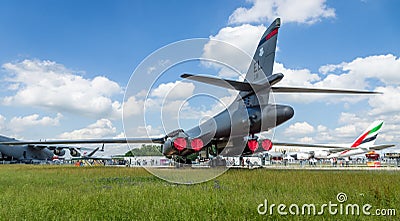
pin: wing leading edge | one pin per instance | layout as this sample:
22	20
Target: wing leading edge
320	90
86	141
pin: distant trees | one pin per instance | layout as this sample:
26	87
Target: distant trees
145	150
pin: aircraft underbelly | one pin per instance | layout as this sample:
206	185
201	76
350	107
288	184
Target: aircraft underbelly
352	153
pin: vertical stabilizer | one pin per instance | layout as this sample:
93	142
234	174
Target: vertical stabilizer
93	152
368	137
263	59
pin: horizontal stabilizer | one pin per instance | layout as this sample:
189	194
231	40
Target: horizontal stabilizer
381	147
230	84
237	85
319	90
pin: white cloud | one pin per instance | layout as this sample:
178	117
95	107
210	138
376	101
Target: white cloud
167	98
133	106
172	110
13	87
161	108
306	140
51	85
381	67
346	118
329	68
148	131
308	12
304	132
299	128
101	128
387	103
120	135
350	127
321	128
173	90
244	39
390	130
346	131
151	69
19	124
325	137
161	64
296	77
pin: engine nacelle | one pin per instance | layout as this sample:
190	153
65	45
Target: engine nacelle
59	152
167	148
74	152
174	146
182	146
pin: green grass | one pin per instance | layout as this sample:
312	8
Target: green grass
30	192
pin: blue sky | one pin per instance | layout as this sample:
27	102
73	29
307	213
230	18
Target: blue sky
345	44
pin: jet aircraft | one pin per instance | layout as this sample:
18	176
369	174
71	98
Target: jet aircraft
91	155
233	131
363	144
33	151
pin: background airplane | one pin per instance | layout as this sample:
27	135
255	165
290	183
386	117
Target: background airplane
363	144
233	131
27	152
91	155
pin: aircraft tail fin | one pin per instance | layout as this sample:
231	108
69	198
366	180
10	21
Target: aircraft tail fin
93	152
368	137
263	59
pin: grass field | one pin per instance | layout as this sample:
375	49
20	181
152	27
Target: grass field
31	192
